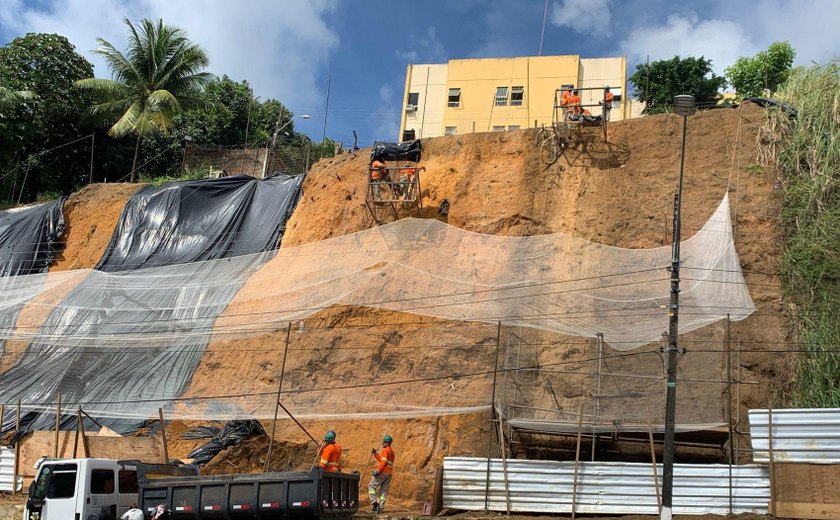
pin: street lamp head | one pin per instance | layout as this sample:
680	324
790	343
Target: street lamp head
684	105
305	116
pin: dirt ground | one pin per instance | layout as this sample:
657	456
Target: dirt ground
618	193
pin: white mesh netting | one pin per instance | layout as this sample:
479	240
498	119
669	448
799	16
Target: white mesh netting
555	283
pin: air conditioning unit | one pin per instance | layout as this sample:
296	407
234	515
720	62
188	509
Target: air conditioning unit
411	108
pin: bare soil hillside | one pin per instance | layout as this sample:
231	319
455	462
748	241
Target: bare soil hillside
618	193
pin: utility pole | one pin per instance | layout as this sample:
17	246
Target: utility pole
326	109
683	106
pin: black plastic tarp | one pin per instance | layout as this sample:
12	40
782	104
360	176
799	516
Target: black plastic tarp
199	220
106	368
28	237
233	433
767	102
407	151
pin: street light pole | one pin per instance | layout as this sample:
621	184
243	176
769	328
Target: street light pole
683	106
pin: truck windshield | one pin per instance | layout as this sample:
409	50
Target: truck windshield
54	481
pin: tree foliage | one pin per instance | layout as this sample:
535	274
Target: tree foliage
766	70
42	112
657	83
160	74
45	124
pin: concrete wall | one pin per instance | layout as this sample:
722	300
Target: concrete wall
429	82
478	79
601	72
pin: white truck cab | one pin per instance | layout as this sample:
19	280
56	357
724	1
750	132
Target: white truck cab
81	489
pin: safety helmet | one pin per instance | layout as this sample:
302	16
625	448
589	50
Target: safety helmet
388	439
607	87
330	436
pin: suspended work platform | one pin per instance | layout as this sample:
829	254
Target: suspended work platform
395	187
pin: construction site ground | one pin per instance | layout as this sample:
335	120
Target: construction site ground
618	193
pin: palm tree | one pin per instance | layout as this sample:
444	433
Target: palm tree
10	98
159	75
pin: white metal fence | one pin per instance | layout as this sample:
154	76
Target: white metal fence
804	435
7	470
602	487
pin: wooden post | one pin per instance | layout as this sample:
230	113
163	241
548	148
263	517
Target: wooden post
163	434
577	459
76	436
504	466
85	445
738	398
653	461
2	414
15	473
17	418
596	401
490	432
57	425
437	494
772	463
729	404
277	402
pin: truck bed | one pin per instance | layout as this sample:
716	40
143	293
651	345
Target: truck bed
288	494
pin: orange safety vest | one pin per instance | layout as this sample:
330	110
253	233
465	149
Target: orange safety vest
609	97
386	461
331	457
378	171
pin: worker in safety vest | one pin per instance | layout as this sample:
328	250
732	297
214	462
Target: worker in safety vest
330	453
406	180
381	480
565	96
378	176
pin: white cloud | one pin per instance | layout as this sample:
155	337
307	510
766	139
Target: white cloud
740	28
427	48
583	16
280	47
722	41
382	122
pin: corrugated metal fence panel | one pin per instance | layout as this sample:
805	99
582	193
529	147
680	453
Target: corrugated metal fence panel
602	488
7	470
807	435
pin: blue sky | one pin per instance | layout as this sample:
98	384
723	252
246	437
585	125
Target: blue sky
288	49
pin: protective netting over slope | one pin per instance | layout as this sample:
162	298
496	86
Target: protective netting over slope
95	344
27	246
552	282
125	343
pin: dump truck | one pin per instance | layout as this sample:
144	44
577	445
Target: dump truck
100	489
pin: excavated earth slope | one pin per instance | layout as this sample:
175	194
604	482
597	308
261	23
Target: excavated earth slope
619	194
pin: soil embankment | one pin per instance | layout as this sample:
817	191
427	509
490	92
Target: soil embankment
618	193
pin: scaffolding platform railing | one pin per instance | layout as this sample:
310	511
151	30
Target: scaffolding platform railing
385	196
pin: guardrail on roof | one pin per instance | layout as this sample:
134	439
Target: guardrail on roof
803	435
602	487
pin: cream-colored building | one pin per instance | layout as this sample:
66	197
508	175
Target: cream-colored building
496	94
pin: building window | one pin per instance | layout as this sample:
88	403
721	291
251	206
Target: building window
450	130
517	94
501	96
454	97
513	127
414	98
499	128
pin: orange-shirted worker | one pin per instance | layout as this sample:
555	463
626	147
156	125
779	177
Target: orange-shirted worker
378	178
608	102
572	104
406	179
330	454
381	480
